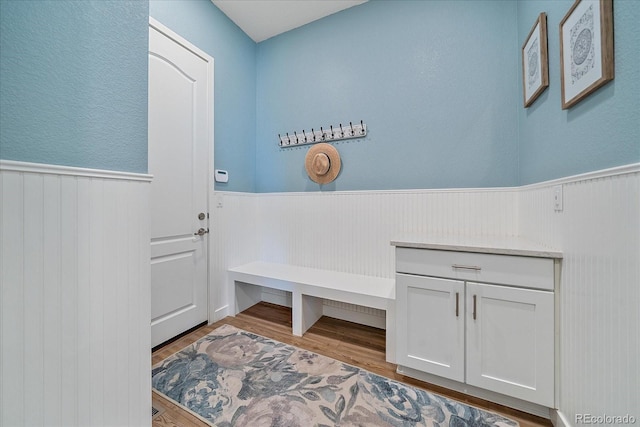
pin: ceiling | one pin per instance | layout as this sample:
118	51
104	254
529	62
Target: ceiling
263	19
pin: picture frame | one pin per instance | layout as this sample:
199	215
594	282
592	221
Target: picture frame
535	61
586	49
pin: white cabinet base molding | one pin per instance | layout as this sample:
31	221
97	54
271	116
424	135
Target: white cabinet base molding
502	399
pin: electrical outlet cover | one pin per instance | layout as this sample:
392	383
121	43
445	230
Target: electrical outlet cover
557	198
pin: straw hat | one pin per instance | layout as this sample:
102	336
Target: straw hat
322	163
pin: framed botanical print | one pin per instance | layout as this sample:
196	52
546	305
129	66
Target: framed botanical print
535	61
586	49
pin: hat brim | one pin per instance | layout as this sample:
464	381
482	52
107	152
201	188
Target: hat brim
334	163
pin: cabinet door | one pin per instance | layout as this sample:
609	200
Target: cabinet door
510	341
430	325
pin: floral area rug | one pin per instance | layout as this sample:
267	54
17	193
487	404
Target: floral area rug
235	378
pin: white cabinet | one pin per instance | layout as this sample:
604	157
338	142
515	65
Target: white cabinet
430	325
509	344
482	319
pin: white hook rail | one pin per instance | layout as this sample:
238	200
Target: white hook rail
332	133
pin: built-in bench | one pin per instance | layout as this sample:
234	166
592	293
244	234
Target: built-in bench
308	287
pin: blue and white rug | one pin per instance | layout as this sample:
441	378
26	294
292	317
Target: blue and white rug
235	378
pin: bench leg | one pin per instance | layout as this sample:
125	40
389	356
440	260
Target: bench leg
306	311
246	296
390	353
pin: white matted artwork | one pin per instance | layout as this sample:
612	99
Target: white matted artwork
535	61
586	49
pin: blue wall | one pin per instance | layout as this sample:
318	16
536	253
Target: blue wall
73	83
204	25
435	81
599	132
443	110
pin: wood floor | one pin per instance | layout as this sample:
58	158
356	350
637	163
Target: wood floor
351	343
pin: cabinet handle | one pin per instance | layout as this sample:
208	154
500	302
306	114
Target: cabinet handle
457	304
466	267
474	307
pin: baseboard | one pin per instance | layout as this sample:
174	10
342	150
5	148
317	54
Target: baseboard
275	296
220	313
348	312
354	316
511	402
558	419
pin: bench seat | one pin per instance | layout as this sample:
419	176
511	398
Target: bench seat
308	287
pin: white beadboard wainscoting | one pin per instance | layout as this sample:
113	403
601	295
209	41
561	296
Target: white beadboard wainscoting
234	241
74	297
344	231
351	231
75	287
598	232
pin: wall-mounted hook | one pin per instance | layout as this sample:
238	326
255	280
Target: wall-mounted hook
331	134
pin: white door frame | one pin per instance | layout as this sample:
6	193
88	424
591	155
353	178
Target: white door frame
153	23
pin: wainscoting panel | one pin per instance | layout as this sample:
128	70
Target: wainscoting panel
234	241
351	231
599	234
345	231
75	297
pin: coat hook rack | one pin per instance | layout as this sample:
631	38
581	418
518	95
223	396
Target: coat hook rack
358	130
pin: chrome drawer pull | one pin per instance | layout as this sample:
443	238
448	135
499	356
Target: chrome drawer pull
466	267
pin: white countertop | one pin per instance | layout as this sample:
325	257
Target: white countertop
480	244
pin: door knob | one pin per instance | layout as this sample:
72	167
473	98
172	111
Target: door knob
201	232
201	216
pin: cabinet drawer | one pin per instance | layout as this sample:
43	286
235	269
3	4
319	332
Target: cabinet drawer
529	272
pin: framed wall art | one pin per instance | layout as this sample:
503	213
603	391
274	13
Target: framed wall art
535	61
586	49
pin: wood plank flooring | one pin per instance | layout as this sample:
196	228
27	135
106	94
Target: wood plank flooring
351	343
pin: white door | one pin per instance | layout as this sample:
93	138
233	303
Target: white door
510	341
430	325
180	152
